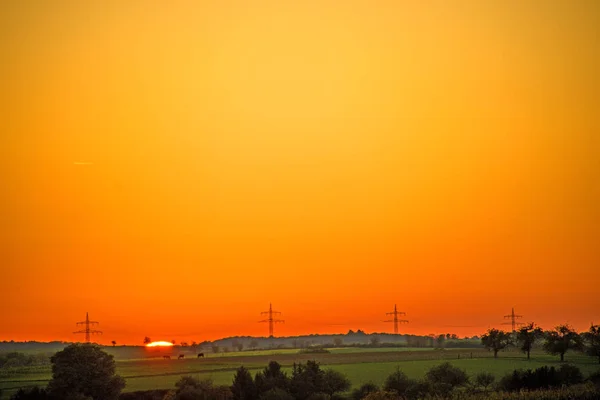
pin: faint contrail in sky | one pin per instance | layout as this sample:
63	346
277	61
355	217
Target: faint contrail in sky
82	163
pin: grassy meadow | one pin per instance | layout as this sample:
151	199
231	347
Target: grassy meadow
361	365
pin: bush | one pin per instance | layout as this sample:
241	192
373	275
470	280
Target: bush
541	378
569	375
382	395
189	388
447	374
276	394
34	393
595	379
484	380
364	390
397	382
145	395
16	359
335	382
314	350
318	396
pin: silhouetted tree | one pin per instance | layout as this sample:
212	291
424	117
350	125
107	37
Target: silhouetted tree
114	343
444	378
272	377
361	392
147	340
527	336
174	342
307	380
84	370
560	340
592	341
243	387
338	341
335	382
375	340
397	382
440	340
495	340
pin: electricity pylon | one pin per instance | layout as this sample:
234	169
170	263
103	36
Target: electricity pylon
270	319
87	329
395	313
513	320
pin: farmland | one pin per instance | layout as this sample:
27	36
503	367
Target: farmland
359	364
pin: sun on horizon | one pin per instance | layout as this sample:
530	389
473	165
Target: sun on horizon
160	344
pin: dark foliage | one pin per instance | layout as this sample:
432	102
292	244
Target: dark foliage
592	341
271	378
307	379
496	340
84	370
243	387
276	394
397	382
144	395
562	339
16	359
335	382
189	388
527	336
34	393
541	378
484	380
364	390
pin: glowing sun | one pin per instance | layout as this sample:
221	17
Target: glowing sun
159	344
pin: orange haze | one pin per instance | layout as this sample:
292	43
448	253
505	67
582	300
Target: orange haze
172	167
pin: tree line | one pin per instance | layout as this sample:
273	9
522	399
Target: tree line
557	341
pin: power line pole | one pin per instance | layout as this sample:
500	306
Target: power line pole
513	320
87	329
270	319
395	313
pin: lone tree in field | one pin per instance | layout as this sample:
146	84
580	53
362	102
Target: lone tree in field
375	340
114	343
560	340
592	341
84	371
527	336
495	340
147	340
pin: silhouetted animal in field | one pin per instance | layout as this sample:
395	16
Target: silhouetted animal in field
180	356
167	357
200	355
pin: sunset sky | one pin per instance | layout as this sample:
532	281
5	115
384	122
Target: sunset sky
171	167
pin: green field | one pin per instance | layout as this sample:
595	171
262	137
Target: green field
359	364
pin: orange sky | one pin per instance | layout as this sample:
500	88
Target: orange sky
333	157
